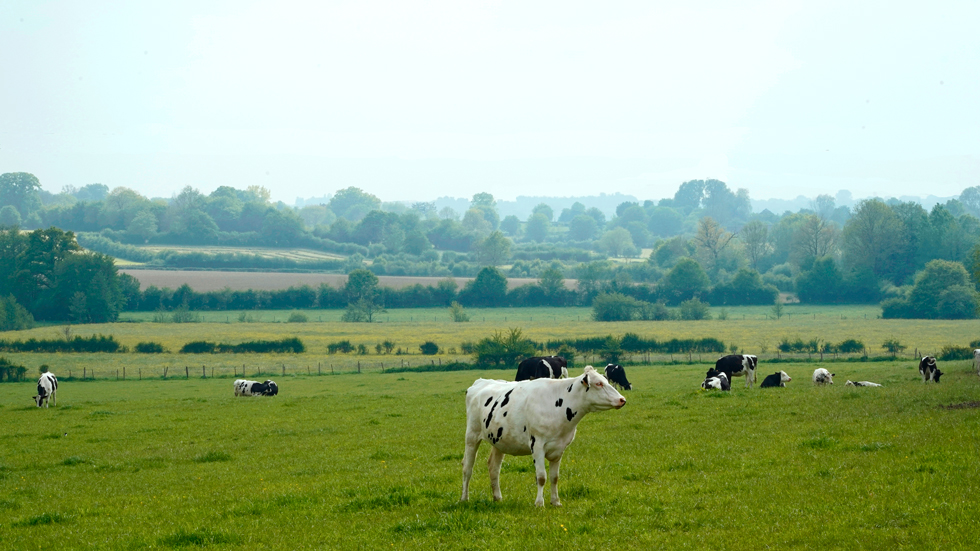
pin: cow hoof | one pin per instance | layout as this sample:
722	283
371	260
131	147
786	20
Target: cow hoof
498	498
556	503
539	503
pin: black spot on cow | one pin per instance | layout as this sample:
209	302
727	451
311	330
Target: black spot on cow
505	414
500	432
569	413
532	443
490	415
570	387
506	398
559	403
525	428
490	399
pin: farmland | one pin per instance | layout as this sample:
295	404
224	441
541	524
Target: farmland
204	281
372	461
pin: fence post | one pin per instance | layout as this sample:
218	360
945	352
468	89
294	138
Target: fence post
124	373
140	369
307	370
187	372
212	373
84	372
358	366
117	374
283	370
69	374
331	369
318	368
204	372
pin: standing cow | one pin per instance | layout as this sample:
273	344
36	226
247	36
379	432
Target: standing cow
617	376
536	418
255	388
823	377
738	365
543	367
929	370
47	388
777	379
976	360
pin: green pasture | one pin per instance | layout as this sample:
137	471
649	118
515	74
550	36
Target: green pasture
371	461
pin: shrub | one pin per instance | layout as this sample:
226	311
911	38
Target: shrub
149	348
694	309
10	371
429	348
615	307
297	317
198	347
953	352
504	349
850	346
95	343
893	346
975	344
344	347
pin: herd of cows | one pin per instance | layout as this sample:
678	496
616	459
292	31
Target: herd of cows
537	414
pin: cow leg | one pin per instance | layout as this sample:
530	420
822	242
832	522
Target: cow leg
469	457
553	475
54	397
494	462
540	473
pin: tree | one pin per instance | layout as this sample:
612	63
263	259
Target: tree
282	228
537	227
476	222
361	285
711	240
488	289
689	195
457	313
615	307
143	226
694	309
13	316
544	209
871	237
821	284
353	204
971	200
494	250
755	237
939	281
20	190
510	225
684	281
9	216
582	228
665	222
617	241
814	238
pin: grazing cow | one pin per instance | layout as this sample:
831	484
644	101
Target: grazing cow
536	418
779	378
738	365
255	388
545	367
929	369
47	388
718	382
860	383
617	376
976	360
822	377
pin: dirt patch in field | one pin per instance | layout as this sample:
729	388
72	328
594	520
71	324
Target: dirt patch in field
272	281
963	405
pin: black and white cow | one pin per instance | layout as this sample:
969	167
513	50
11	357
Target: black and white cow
255	388
617	376
976	360
777	379
823	377
929	370
717	382
536	418
543	367
860	383
47	388
738	365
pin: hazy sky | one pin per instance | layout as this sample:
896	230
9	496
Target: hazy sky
415	100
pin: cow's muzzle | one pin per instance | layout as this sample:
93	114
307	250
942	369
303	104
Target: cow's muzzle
622	402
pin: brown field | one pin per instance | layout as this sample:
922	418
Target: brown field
202	281
297	254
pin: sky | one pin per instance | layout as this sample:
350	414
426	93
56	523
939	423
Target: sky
416	100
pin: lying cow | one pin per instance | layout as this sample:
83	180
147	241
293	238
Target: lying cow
536	418
546	367
823	377
929	370
255	388
47	388
738	365
860	383
777	379
617	376
717	382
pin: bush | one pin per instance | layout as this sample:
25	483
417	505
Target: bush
429	348
615	307
506	349
198	347
893	346
344	347
287	345
95	343
951	352
10	371
850	346
694	309
297	317
149	348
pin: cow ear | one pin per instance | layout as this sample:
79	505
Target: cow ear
585	380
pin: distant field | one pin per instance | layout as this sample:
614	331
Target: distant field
296	254
746	327
372	461
203	281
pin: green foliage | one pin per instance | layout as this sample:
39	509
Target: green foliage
10	372
942	290
429	348
457	313
298	317
343	347
503	348
13	316
283	346
615	307
893	346
694	309
148	348
95	343
850	346
686	280
488	289
953	352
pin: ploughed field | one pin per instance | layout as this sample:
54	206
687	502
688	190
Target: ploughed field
372	461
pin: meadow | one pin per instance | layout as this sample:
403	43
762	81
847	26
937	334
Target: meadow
371	461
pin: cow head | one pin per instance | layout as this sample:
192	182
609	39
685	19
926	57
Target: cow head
38	399
273	388
936	376
599	394
750	361
712	372
784	377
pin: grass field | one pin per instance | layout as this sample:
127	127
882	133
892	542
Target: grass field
371	461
